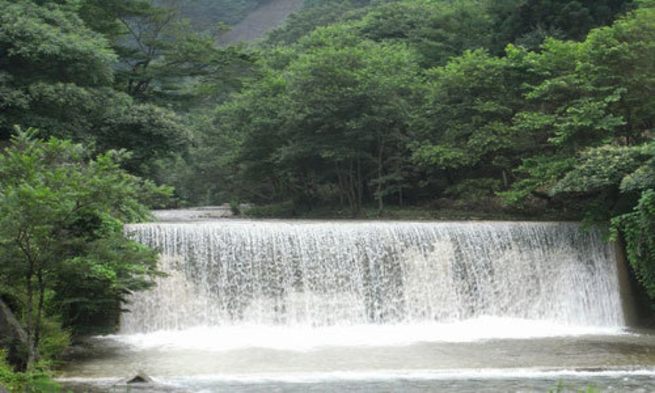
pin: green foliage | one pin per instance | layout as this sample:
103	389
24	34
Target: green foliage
6	373
51	43
475	189
583	97
36	381
50	64
599	168
330	125
164	59
465	116
147	132
57	75
437	31
637	228
567	108
55	340
643	177
540	173
464	126
61	238
317	128
529	22
623	58
235	207
337	114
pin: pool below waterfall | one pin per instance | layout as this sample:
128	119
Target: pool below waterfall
298	306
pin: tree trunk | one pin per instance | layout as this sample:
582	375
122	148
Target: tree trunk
360	184
380	173
31	352
39	314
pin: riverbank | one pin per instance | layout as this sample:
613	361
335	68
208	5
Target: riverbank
441	210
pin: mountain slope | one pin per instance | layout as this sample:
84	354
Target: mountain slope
259	21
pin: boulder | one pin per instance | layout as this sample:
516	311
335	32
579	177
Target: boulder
12	338
139	377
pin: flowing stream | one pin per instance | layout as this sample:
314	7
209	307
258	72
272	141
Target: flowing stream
375	306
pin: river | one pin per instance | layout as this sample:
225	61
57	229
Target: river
259	306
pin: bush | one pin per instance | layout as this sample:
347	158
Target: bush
35	381
55	340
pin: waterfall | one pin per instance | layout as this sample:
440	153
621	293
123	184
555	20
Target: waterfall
317	274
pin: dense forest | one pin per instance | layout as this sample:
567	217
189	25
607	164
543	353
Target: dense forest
535	108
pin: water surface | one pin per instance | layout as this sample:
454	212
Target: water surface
293	306
482	355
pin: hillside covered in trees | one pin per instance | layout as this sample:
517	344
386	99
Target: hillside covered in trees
530	107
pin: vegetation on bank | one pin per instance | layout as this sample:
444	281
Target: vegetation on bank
409	103
351	109
36	381
67	266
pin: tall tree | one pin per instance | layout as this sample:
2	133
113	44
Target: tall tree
463	127
436	30
53	69
58	75
335	119
162	58
592	107
61	235
590	94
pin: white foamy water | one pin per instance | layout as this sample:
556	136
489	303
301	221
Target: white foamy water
303	338
260	306
316	274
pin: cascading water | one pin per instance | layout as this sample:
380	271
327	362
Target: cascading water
277	273
296	306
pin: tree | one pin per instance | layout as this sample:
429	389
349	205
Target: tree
436	30
325	123
163	60
57	75
622	58
619	182
593	110
586	95
61	235
528	23
564	113
252	125
463	127
148	132
52	67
